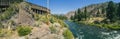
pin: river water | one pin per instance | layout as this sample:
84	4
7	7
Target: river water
91	32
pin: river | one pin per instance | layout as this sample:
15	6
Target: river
91	32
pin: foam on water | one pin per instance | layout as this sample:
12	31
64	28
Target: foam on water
114	37
117	37
105	33
111	35
80	37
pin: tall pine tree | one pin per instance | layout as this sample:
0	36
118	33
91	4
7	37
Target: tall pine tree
110	11
85	13
118	11
79	15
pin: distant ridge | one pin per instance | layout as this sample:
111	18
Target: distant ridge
91	9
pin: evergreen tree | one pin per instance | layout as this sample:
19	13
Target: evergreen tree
75	16
118	11
98	14
72	17
103	10
78	11
111	11
79	15
85	13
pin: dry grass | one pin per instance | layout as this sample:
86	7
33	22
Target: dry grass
91	20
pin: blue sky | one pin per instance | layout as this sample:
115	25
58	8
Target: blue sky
64	6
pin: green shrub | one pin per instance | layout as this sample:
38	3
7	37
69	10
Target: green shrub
24	30
1	25
114	27
52	20
53	30
36	16
9	12
62	23
5	32
68	34
2	32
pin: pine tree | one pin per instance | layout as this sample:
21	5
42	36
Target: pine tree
78	11
111	11
72	17
79	15
98	14
118	11
75	16
85	13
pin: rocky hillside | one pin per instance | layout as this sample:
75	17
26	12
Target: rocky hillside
25	24
91	9
69	14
